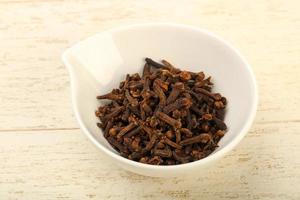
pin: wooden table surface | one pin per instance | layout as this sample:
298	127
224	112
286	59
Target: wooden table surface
44	155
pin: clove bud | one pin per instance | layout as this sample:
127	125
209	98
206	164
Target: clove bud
165	116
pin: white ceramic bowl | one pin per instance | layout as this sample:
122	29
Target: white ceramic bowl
97	65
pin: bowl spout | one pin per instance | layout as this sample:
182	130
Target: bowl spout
92	57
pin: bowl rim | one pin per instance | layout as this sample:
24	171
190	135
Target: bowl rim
212	157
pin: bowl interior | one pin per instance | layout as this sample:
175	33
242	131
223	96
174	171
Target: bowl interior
188	49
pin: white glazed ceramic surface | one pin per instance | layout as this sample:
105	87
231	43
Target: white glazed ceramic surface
97	65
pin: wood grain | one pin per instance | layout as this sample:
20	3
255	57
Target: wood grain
43	155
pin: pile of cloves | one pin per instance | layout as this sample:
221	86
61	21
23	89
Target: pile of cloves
164	117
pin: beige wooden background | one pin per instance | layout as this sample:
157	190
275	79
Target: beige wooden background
44	155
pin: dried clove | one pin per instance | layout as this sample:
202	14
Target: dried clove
151	62
129	127
179	103
202	138
176	90
169	120
163	117
180	158
131	100
178	136
117	145
186	132
146	70
133	132
215	96
113	114
164	153
172	144
114	131
160	93
110	96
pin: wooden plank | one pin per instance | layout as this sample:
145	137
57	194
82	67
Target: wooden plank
63	164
